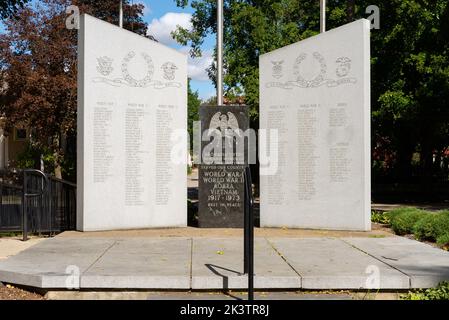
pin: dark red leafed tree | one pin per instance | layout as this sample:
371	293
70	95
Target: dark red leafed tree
38	69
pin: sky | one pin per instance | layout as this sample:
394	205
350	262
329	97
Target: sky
162	17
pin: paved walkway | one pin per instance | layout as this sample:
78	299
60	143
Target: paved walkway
216	263
12	246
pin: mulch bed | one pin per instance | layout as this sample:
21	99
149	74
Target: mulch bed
8	292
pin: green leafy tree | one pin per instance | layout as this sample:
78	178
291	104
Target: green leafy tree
410	83
252	28
410	64
193	105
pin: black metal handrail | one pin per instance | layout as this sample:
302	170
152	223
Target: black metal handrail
248	261
63	181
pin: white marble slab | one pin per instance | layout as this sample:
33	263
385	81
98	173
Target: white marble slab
132	96
316	94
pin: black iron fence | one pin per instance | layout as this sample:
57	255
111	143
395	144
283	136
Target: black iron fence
32	202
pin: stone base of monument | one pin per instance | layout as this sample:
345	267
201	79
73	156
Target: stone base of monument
181	263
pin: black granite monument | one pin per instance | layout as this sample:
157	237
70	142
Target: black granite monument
224	151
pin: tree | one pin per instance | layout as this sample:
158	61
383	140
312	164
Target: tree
38	61
109	11
9	8
193	106
252	28
410	63
410	83
211	101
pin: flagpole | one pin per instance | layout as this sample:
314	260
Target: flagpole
220	52
322	16
120	21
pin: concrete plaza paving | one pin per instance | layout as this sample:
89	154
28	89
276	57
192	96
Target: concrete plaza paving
184	263
12	245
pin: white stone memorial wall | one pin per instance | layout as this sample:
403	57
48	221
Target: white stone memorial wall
316	94
132	97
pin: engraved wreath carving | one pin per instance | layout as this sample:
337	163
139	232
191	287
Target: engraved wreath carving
128	78
342	71
105	68
315	81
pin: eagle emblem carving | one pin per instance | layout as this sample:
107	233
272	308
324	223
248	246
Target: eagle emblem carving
222	121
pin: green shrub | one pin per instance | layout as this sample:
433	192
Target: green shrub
402	220
426	228
442	228
9	234
443	239
379	217
28	157
433	226
441	292
425	225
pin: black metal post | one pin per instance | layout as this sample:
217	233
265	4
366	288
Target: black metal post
48	201
24	209
251	239
40	212
249	234
1	200
246	229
